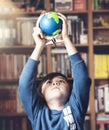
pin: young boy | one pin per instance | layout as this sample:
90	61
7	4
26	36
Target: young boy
55	105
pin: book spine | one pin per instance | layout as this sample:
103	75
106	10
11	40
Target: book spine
24	27
63	5
101	98
106	99
15	123
79	5
101	65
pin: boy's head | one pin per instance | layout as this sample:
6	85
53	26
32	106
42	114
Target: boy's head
54	86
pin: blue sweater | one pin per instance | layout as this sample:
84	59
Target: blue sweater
73	114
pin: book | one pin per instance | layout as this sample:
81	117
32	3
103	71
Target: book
73	27
60	62
101	65
95	4
100	4
15	123
102	122
79	5
101	98
11	65
9	100
76	30
106	98
64	5
25	27
87	125
7	32
3	66
24	123
2	124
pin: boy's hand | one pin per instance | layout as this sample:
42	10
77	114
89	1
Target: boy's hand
37	33
38	36
64	32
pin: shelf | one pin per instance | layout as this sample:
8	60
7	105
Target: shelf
101	11
21	13
15	81
12	114
37	12
76	45
8	81
101	27
16	49
80	47
74	12
102	45
101	80
23	49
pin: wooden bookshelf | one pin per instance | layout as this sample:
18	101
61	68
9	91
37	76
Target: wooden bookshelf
90	48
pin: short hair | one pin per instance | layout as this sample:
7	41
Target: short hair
49	76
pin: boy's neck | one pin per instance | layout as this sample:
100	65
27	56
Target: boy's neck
55	105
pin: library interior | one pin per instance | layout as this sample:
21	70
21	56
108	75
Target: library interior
88	28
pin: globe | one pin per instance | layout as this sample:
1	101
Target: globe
50	24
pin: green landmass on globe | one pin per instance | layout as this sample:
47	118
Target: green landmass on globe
54	16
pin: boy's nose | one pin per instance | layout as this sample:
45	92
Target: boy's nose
56	83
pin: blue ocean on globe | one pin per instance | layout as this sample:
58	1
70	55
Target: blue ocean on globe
50	24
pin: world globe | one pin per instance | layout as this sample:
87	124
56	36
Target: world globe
50	24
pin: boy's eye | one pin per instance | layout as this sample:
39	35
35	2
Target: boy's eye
48	82
62	81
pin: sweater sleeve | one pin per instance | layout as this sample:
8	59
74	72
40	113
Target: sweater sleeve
27	86
81	83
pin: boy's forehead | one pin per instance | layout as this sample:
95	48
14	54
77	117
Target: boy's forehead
58	77
51	77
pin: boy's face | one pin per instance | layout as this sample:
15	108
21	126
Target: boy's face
56	89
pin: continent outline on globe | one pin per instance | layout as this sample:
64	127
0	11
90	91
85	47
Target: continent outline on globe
51	24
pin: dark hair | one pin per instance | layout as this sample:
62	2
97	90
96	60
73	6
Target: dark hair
49	76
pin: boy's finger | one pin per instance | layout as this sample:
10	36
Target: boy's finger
62	16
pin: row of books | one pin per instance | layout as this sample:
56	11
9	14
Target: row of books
102	98
102	122
77	30
61	63
9	100
101	62
22	123
14	123
11	65
100	4
8	31
24	29
7	6
19	30
71	5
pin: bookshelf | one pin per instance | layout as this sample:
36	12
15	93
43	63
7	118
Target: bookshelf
100	53
96	27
